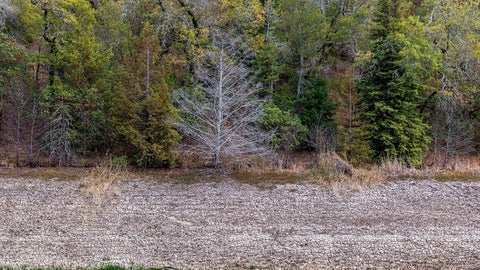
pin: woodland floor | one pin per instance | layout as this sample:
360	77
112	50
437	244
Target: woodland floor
230	225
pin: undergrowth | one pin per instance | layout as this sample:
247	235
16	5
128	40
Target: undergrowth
330	170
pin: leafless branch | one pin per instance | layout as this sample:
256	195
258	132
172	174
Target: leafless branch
221	114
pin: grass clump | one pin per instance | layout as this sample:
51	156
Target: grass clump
101	180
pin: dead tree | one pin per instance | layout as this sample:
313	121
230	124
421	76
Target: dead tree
57	136
220	113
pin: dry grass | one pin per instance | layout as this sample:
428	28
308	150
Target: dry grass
64	173
268	179
330	171
460	169
101	180
334	172
462	172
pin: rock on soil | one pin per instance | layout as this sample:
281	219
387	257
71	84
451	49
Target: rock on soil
228	225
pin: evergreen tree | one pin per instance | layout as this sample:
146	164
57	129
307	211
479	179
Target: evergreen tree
267	62
142	114
391	93
351	134
287	130
316	108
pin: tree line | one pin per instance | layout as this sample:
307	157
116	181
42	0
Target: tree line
373	80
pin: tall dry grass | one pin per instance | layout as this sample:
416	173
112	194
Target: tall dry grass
101	180
330	170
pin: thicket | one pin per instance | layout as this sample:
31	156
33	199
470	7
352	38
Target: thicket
372	80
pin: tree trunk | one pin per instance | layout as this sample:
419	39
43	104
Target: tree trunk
219	112
147	76
32	133
300	78
447	147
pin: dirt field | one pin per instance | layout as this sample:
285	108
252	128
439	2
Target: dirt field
402	224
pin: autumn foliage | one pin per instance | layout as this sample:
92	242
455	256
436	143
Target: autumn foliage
373	81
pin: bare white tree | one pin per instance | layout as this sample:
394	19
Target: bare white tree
220	114
56	138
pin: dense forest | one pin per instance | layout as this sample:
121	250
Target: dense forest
221	80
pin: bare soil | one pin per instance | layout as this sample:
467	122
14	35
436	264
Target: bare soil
229	225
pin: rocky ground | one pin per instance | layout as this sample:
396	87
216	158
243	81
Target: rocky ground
228	225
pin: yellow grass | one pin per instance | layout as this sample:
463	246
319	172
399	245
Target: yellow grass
262	172
64	173
101	180
303	170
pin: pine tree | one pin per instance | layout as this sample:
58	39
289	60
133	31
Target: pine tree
351	134
390	92
142	114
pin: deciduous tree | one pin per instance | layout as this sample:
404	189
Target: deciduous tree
453	29
17	104
220	114
71	68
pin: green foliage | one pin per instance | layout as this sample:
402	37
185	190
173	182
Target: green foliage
391	93
351	134
77	67
18	101
315	106
288	131
112	68
268	66
142	128
12	65
303	30
453	30
111	267
121	160
354	145
141	112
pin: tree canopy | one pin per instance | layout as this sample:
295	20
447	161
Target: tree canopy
369	79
